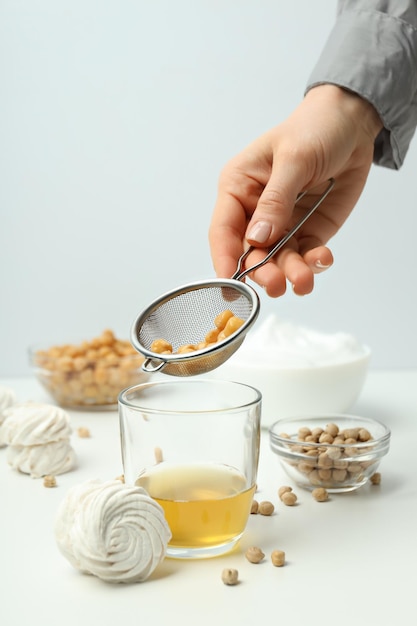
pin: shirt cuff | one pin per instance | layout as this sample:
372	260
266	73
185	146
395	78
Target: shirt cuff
375	55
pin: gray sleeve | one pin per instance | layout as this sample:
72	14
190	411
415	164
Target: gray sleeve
372	51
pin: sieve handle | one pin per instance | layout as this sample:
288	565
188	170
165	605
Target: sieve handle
239	274
156	368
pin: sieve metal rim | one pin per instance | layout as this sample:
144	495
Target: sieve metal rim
163	359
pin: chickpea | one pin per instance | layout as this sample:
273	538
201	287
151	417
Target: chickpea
334	453
49	481
324	460
282	490
340	463
254	507
354	468
233	324
350	440
266	508
86	376
376	478
111	359
95	343
100	374
364	435
306	466
325	474
303	433
212	335
320	494
351	433
83	432
107	337
90	391
254	554
314	477
316	432
326	438
278	558
221	320
92	354
160	345
289	498
332	429
230	576
186	348
104	351
339	475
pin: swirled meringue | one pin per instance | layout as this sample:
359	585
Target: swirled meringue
55	457
7	399
32	424
111	530
38	439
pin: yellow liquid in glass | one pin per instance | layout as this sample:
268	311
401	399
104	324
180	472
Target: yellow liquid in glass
204	505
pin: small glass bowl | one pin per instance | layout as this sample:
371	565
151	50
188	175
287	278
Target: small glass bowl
314	455
87	375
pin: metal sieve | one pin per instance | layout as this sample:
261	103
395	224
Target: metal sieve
186	314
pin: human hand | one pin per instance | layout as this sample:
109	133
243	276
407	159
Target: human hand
331	134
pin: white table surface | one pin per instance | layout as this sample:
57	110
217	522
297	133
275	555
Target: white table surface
351	560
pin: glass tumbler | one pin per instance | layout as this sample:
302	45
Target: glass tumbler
194	446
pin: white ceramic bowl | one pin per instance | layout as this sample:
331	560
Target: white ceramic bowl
315	390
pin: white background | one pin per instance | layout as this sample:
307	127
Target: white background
115	120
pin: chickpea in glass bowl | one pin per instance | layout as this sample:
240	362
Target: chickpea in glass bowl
337	452
88	374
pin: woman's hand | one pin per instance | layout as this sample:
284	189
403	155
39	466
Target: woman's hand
331	134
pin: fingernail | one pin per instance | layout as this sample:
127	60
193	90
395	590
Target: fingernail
297	294
321	265
260	232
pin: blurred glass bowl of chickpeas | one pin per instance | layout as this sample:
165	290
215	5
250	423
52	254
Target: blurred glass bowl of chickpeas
338	452
89	374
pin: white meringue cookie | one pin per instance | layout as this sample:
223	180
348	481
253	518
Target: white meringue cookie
7	399
111	530
55	457
32	424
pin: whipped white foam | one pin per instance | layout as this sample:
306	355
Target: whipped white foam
283	344
111	530
32	423
55	457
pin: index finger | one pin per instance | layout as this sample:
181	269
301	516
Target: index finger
226	234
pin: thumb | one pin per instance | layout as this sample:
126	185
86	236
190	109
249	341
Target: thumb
274	208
